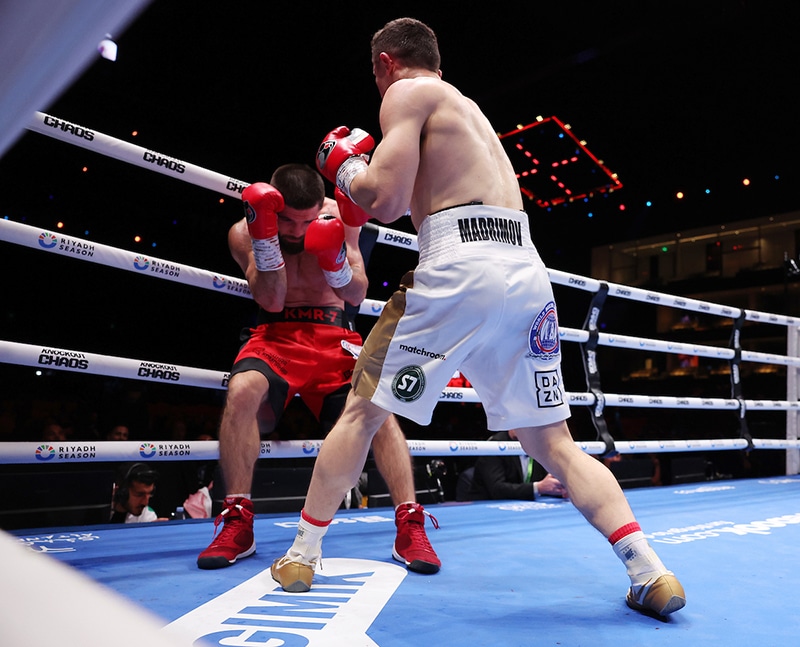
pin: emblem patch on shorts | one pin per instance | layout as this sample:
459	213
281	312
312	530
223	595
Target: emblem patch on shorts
408	384
548	389
543	338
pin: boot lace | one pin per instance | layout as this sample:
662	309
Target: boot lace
243	514
417	508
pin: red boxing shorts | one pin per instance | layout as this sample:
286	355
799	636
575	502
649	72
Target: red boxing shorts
301	351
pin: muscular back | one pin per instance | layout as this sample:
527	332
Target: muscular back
433	131
461	157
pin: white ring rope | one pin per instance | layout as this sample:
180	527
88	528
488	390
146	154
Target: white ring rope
138	369
163	372
82	249
97	142
18	453
137	262
118	149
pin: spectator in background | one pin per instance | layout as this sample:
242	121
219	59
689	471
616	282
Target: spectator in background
177	429
198	504
512	477
133	488
53	432
118	432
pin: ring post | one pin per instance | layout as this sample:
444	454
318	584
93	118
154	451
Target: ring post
792	393
736	378
589	357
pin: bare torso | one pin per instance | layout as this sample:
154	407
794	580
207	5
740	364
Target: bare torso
306	284
461	157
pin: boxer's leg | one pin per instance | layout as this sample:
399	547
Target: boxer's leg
411	544
598	496
239	444
337	468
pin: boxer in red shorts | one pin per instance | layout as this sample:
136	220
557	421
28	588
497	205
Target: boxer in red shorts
302	264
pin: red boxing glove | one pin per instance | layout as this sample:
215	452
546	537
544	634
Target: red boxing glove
325	239
262	202
343	155
351	213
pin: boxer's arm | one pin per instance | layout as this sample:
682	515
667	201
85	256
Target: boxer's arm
385	188
268	288
262	202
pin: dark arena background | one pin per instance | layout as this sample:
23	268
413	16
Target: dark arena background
656	149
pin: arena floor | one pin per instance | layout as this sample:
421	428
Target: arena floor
514	574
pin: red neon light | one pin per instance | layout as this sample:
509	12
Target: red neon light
581	173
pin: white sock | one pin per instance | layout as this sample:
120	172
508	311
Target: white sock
307	546
640	559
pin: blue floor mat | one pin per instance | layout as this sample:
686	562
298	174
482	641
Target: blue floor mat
514	573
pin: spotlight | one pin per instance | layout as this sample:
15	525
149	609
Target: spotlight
107	48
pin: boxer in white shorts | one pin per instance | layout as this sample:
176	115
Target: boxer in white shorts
479	302
498	325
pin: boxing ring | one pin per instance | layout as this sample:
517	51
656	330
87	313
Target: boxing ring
525	572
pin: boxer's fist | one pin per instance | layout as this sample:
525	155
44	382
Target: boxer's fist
343	155
325	239
351	213
262	202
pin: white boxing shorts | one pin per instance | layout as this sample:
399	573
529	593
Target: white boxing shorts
480	301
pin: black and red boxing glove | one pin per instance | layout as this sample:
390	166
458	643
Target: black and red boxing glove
262	202
343	155
325	239
352	215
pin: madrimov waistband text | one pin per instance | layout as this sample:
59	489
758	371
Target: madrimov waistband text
500	230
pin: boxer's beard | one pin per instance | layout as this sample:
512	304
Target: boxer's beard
292	248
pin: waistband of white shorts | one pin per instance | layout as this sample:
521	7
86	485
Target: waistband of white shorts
478	227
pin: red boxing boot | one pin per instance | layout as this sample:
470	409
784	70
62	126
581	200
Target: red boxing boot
411	546
236	539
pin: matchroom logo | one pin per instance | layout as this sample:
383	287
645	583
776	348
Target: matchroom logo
345	598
